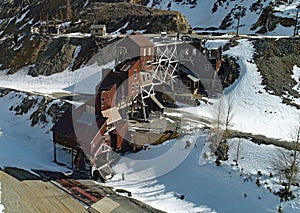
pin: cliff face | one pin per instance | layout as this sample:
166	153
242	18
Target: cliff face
47	55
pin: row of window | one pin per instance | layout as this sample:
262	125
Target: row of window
145	51
135	87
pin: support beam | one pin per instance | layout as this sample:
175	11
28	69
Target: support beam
54	152
72	159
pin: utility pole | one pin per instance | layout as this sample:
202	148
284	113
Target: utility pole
237	15
296	30
69	10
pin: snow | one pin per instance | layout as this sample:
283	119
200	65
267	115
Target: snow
201	16
86	3
75	55
30	22
118	30
215	44
255	110
64	82
22	16
21	37
18	47
296	77
206	187
22	145
158	175
287	11
74	35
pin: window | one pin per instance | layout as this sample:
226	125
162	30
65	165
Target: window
102	102
207	67
148	63
132	88
189	84
137	87
144	78
135	74
148	77
145	51
149	51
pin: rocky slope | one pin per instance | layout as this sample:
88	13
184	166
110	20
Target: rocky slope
42	110
275	59
49	54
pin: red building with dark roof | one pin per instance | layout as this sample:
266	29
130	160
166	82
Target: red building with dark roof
96	125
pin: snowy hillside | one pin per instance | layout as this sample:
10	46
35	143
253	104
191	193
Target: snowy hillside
206	188
255	110
22	145
267	17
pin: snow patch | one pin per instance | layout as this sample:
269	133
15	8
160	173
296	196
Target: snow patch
30	22
75	55
86	3
22	16
205	186
118	30
64	82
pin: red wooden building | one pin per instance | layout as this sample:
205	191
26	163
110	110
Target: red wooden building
96	127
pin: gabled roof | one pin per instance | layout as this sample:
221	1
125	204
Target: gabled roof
97	26
139	40
71	125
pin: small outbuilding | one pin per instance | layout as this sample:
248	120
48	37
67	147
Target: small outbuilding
98	30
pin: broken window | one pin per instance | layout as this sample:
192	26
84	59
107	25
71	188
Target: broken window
102	102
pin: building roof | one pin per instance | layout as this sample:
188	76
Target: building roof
139	40
97	26
193	78
80	125
65	125
110	80
112	115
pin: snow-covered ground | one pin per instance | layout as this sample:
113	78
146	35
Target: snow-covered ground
22	145
67	81
206	187
161	174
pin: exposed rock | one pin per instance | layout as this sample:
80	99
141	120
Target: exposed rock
47	54
275	59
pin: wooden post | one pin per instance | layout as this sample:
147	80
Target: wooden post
72	159
54	144
296	24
